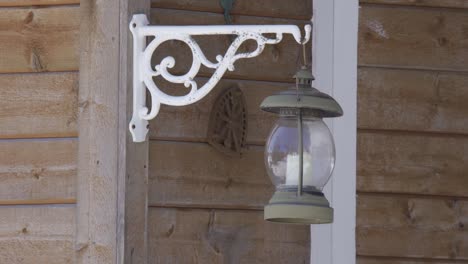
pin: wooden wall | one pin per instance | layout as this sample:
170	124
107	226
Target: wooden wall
412	138
38	130
206	207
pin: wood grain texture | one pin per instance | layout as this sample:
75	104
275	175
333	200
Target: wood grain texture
192	174
36	234
39	39
277	62
36	250
412	100
47	221
217	236
38	105
398	163
412	163
296	9
427	3
412	227
190	123
96	236
39	201
37	170
46	39
388	99
132	175
413	37
394	260
112	176
11	3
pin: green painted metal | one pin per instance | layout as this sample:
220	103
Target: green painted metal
311	101
309	208
227	5
304	74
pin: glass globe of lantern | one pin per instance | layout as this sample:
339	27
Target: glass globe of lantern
300	137
282	153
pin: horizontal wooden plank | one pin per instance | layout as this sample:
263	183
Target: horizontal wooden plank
387	211
412	100
36	234
393	260
297	9
48	221
38	105
38	201
190	123
412	163
413	37
217	236
196	174
277	62
10	3
427	3
398	163
389	99
37	170
408	242
39	39
36	250
46	39
412	227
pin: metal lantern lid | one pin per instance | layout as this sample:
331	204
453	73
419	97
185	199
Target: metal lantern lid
311	101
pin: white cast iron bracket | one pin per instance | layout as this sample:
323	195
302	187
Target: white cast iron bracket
143	73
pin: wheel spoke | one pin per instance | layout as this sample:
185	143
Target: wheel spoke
237	144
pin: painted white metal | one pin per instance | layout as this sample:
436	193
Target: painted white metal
335	69
143	73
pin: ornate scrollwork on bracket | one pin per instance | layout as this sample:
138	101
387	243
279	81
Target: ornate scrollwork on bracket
143	73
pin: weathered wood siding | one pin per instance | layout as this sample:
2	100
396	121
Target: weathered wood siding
38	138
38	129
206	207
412	148
412	137
33	234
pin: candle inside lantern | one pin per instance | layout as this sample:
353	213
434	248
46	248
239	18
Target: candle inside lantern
292	169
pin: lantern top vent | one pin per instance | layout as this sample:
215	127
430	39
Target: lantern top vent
304	77
303	97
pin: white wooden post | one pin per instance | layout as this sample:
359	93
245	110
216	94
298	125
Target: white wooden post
335	69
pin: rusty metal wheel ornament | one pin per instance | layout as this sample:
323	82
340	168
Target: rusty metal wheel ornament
227	130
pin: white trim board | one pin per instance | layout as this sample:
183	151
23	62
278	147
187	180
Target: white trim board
335	69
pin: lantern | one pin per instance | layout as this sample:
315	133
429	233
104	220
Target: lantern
300	153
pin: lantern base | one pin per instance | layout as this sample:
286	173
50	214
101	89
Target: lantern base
287	207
